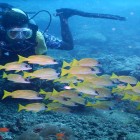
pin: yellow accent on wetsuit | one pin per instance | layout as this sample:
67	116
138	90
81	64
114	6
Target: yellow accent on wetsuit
41	47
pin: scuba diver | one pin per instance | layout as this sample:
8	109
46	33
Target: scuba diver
20	35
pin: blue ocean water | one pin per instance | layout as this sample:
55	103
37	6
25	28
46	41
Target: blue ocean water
114	43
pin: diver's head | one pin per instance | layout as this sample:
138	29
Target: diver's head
14	18
17	29
15	22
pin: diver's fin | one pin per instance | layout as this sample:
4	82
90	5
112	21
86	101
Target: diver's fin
67	12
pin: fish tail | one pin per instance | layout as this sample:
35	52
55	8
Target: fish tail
65	64
4	75
6	94
1	67
21	107
114	90
138	84
64	72
127	96
21	59
26	74
114	76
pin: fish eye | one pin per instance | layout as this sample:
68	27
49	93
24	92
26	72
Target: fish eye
26	65
79	80
27	79
37	130
92	69
54	60
96	92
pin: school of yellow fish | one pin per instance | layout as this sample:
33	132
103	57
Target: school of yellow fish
84	84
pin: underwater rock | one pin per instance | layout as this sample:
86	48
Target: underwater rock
47	131
29	136
133	136
120	64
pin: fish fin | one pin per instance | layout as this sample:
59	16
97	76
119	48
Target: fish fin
4	75
65	64
72	85
6	94
74	62
21	59
49	109
56	80
128	87
48	95
70	75
138	84
54	93
64	72
21	107
26	74
114	76
89	104
42	91
17	71
135	97
55	101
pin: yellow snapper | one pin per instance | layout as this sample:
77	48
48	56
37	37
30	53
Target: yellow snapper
15	66
71	95
23	94
83	76
47	94
100	81
35	107
125	79
86	62
77	70
78	100
44	73
103	92
82	87
16	78
55	106
100	104
38	59
63	101
66	93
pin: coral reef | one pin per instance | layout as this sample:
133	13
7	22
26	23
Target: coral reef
46	131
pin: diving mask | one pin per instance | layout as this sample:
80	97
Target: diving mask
19	33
